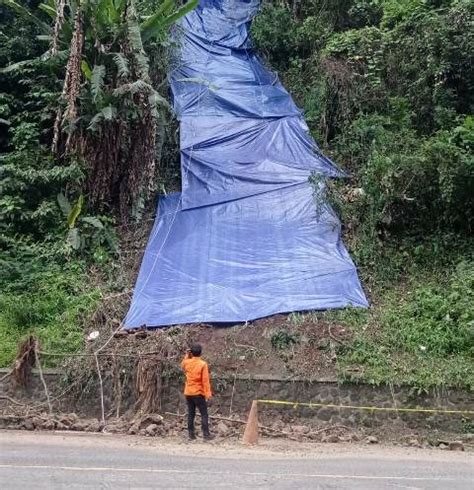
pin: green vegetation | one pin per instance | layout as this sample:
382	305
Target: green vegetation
388	91
283	340
421	335
387	87
81	129
53	302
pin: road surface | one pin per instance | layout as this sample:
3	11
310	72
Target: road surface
72	461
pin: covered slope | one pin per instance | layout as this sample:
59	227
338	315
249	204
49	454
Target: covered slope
245	238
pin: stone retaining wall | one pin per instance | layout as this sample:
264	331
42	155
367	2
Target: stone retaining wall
234	395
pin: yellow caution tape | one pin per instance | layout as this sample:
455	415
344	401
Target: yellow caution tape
355	407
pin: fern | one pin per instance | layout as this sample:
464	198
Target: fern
20	65
108	113
121	62
140	86
133	88
135	40
156	100
97	82
95	122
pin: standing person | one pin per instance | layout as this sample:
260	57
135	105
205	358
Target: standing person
197	389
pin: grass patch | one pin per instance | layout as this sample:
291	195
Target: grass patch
52	306
420	334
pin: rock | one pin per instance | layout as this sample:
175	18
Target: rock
37	422
324	414
330	438
133	430
300	429
414	443
349	437
93	426
151	418
372	440
61	426
221	428
123	425
151	430
443	446
279	425
456	446
355	437
112	428
69	419
80	425
48	425
28	424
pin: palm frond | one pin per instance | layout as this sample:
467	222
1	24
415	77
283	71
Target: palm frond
181	12
133	88
107	13
24	12
49	9
156	26
17	66
153	21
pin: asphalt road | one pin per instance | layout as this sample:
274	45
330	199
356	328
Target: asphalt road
71	461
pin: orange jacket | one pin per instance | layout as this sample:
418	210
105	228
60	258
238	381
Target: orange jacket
197	377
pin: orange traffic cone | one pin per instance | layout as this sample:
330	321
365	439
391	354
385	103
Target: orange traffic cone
251	429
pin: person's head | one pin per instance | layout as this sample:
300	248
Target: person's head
196	350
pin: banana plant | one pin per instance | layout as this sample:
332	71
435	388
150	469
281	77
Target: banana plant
108	99
82	229
110	28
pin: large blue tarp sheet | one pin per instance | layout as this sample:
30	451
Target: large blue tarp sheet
248	235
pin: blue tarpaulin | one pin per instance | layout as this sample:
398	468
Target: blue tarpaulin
248	235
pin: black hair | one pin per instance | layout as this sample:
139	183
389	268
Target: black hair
196	350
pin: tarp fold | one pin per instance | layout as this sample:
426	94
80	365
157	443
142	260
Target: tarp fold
248	236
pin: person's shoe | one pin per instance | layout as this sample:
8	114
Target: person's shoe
208	437
192	437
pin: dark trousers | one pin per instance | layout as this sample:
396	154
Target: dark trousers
200	402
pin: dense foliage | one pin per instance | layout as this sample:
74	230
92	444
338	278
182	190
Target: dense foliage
421	334
387	87
81	130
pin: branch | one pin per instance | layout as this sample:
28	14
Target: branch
45	386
